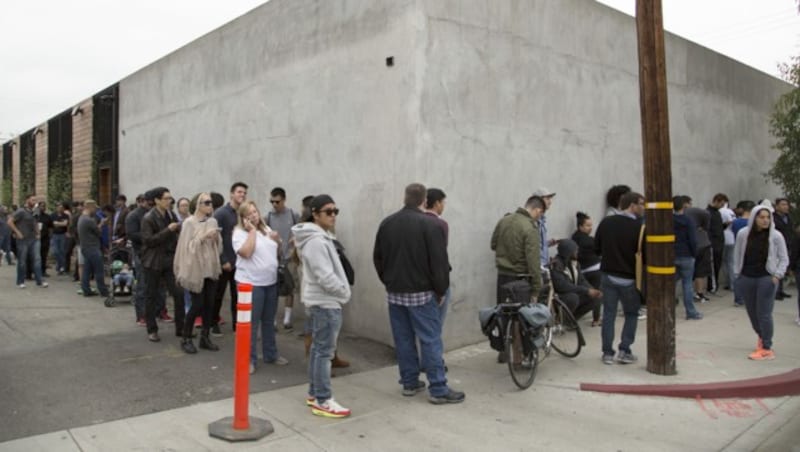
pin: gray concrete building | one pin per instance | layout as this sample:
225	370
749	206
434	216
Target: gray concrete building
487	100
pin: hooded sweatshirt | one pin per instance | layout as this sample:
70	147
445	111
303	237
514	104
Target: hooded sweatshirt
566	273
777	256
324	280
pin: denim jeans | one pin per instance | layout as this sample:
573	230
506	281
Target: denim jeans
58	244
684	272
759	299
93	265
5	241
28	249
629	297
727	264
325	326
423	323
265	305
445	304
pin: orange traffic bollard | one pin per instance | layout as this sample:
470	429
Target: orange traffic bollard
241	427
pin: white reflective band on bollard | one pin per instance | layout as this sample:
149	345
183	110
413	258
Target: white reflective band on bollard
245	298
243	316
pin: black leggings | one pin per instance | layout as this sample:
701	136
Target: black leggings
202	304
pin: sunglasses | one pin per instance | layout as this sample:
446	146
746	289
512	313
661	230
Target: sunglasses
207	202
330	212
275	201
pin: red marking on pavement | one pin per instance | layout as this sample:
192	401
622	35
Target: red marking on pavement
764	406
781	385
703	407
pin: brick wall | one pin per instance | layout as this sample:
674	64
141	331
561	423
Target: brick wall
82	152
40	186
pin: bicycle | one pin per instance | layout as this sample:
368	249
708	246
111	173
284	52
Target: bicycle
562	333
522	354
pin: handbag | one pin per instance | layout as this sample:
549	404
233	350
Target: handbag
285	281
346	266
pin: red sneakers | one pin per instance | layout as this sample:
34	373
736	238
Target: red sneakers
762	355
141	322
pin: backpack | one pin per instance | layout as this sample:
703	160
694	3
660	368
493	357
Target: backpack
493	327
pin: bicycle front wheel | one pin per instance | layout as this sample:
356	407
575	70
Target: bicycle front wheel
523	356
566	333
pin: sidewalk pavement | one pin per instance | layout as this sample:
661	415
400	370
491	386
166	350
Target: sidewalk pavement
551	415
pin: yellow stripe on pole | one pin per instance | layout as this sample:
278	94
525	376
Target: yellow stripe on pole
659	205
660	270
661	238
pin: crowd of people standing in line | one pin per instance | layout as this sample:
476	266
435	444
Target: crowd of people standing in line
197	252
755	243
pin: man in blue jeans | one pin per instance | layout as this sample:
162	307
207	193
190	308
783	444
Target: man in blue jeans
89	239
410	257
685	250
25	228
617	240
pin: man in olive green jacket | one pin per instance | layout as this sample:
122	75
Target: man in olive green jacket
515	242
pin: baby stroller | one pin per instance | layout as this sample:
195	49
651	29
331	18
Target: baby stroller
122	280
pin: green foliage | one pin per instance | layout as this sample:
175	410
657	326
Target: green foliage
59	183
27	178
6	195
784	124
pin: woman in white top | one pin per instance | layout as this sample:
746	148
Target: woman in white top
197	269
256	247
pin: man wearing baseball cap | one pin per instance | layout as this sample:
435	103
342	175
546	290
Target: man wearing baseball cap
544	245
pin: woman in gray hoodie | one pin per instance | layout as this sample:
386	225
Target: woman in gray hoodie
759	261
324	290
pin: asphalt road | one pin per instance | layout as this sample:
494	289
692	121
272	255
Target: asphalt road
67	361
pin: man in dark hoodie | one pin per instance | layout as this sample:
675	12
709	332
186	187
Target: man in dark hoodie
685	250
569	283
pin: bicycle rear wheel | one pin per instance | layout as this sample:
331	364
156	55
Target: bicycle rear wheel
567	338
523	356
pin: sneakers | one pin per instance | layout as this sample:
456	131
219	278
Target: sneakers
43	285
695	316
141	322
451	397
626	357
608	359
329	408
165	317
153	337
643	313
310	400
21	286
198	321
215	331
762	355
288	327
413	390
252	368
279	361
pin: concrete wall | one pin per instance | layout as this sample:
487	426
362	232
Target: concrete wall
487	100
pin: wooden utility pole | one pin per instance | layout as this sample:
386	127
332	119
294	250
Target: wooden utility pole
660	236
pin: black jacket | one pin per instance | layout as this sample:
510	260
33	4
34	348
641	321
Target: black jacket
616	241
716	230
587	257
783	223
158	242
410	253
133	227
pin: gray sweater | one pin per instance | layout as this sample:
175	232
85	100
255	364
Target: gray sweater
777	257
324	281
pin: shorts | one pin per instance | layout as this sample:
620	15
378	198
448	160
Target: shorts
702	263
294	270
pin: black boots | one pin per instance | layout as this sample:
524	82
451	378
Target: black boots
205	341
187	346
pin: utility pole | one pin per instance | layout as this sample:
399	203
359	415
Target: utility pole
660	236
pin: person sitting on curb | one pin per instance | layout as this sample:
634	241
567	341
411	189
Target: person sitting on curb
569	283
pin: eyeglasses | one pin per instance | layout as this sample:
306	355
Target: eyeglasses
275	201
207	202
330	212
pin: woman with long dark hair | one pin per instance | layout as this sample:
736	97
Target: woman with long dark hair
760	261
588	258
197	269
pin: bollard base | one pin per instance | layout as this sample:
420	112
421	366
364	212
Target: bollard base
223	429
